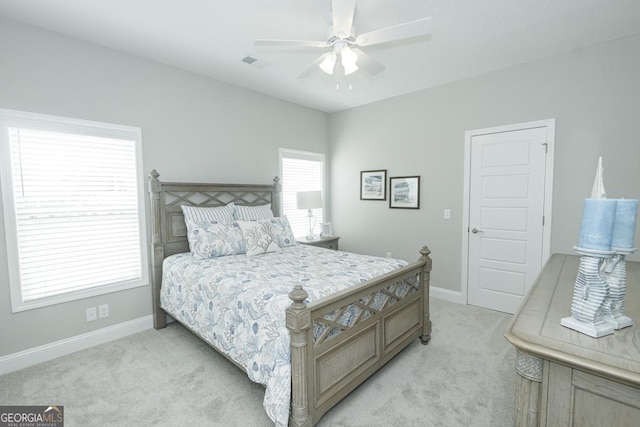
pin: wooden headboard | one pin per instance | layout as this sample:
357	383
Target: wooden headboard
168	230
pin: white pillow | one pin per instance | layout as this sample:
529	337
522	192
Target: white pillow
199	214
213	239
259	237
282	231
253	213
205	234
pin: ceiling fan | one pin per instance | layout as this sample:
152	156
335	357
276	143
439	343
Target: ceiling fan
342	42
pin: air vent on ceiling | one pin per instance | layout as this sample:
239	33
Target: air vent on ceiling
249	59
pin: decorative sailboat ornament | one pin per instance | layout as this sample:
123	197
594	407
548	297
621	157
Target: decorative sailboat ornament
594	247
598	191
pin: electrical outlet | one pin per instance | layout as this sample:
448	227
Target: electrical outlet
388	254
447	214
92	314
103	310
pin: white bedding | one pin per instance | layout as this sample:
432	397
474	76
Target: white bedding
237	303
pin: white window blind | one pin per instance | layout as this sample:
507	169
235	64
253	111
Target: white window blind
76	219
301	171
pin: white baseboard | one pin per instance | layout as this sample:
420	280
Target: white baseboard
447	295
43	353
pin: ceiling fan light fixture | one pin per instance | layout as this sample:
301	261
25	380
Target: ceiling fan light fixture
343	41
349	68
328	63
349	59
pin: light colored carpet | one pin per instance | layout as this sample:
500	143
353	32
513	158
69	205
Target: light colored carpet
463	377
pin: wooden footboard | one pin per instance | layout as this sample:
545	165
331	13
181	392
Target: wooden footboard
327	368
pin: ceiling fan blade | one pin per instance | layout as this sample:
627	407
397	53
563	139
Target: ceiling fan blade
367	63
342	13
315	65
298	43
419	27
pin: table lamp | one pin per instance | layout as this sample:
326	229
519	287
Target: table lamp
309	200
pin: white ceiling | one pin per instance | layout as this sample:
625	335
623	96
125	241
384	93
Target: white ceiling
210	37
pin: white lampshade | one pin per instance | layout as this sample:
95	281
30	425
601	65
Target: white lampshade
349	58
328	63
309	199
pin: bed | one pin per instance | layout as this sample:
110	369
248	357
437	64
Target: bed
335	340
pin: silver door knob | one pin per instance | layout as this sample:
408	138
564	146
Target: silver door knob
475	230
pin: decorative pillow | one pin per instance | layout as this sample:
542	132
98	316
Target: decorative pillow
282	231
199	214
209	239
209	233
253	213
259	237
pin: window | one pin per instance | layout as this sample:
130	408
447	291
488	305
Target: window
301	171
74	215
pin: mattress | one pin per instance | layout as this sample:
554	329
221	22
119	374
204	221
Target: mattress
237	304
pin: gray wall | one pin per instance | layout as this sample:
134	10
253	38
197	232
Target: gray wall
594	95
193	129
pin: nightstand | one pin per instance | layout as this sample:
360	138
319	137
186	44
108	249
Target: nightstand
322	242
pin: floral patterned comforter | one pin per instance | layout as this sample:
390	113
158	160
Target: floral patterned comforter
237	303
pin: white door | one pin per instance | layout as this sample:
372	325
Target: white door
506	216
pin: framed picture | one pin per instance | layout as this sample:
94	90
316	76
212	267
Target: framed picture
373	185
404	192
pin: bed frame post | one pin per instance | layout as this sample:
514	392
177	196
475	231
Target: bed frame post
157	249
275	202
425	277
298	322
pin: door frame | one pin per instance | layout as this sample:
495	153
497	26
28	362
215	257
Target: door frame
550	124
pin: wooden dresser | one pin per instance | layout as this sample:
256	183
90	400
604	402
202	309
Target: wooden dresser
565	378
